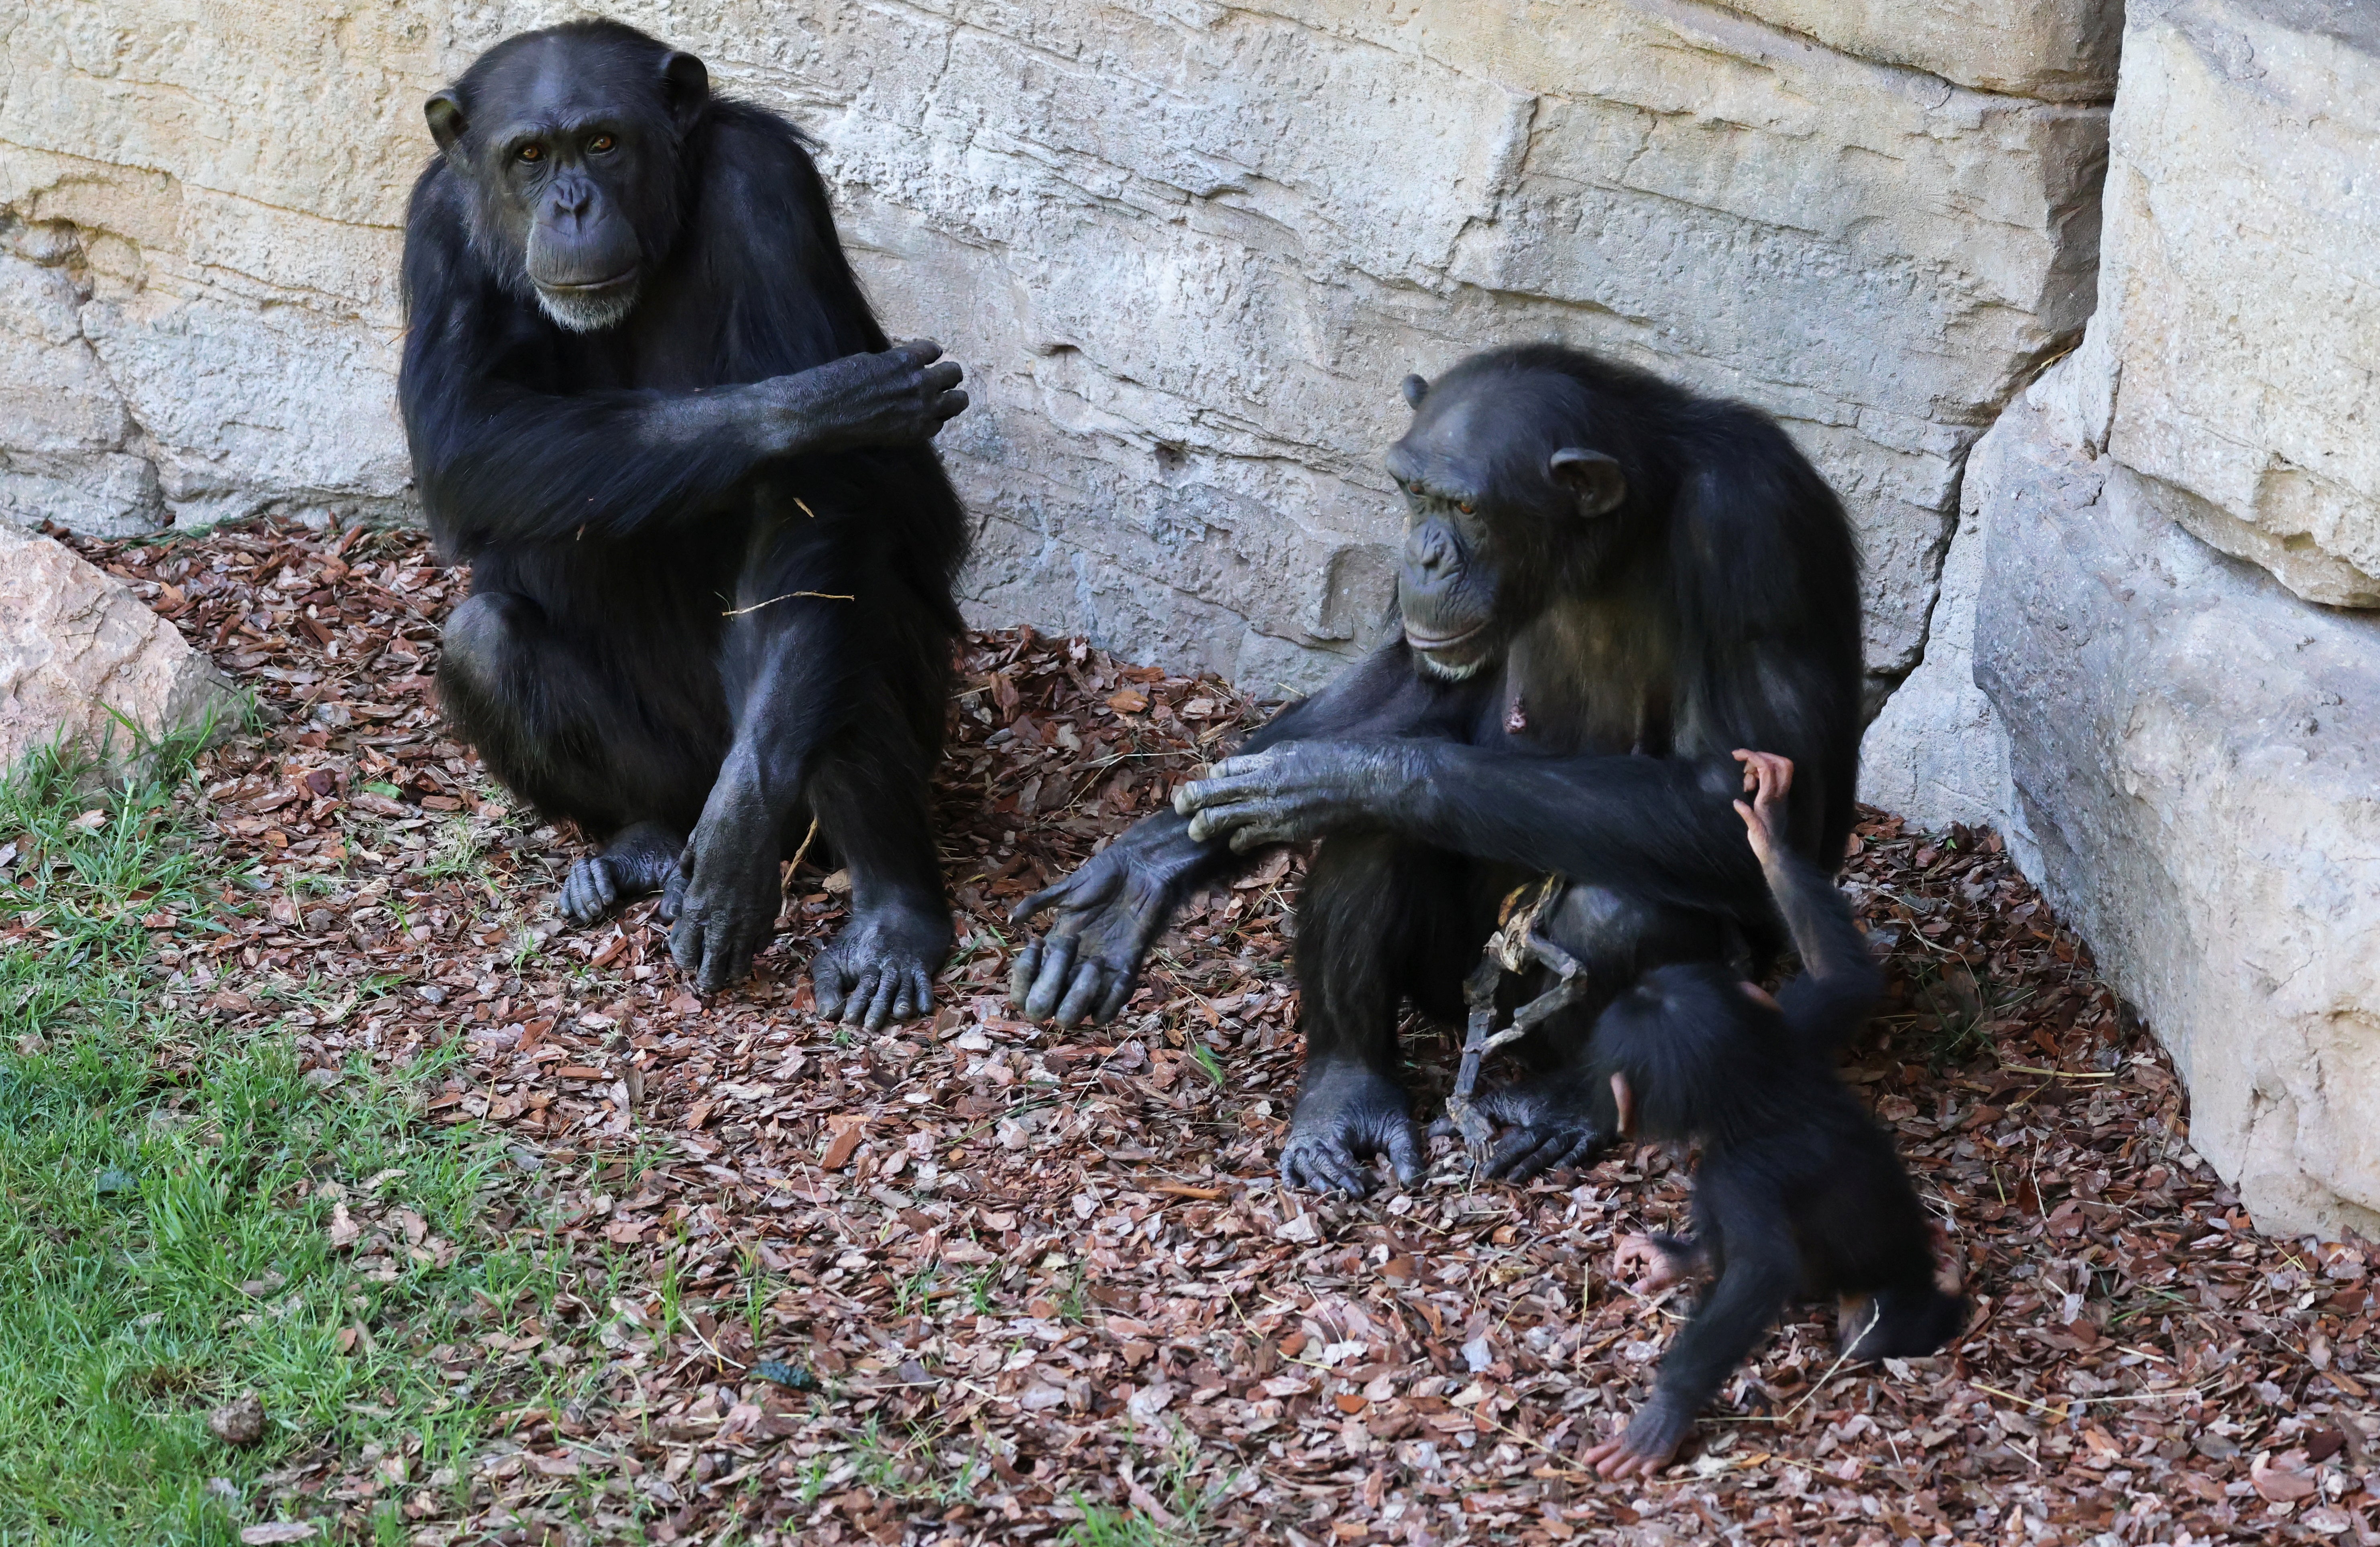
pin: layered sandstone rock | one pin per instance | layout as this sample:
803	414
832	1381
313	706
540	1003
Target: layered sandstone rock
2195	754
1187	251
2241	286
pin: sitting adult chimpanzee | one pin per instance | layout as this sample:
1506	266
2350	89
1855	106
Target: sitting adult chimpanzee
1607	585
712	550
1798	1189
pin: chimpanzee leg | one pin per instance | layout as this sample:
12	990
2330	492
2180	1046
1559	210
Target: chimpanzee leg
870	795
832	667
576	739
1560	1114
1378	914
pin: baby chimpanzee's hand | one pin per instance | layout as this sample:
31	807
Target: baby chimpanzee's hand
1766	778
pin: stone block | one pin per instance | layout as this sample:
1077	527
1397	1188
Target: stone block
2241	282
2058	50
2195	754
78	649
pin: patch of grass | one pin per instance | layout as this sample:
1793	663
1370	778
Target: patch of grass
166	1192
1175	1490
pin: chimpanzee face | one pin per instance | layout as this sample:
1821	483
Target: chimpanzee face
1499	509
573	154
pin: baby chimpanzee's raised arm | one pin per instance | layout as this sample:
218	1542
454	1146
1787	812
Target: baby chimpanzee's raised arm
1839	983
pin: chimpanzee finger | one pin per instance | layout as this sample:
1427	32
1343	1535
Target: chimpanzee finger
1055	892
863	991
1404	1153
685	945
1119	995
940	377
1056	978
950	406
1088	988
1021	971
917	996
879	1007
1521	1156
1322	1168
921	351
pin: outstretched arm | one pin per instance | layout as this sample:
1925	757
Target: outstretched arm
1661	828
1111	910
1658	827
1840	981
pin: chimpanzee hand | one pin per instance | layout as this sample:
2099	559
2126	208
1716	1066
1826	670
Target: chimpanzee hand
880	968
725	907
1301	789
1766	778
1346	1114
1109	912
1652	1440
1554	1122
896	398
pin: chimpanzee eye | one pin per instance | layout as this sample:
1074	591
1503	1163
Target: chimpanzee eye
1465	509
599	144
532	152
1414	486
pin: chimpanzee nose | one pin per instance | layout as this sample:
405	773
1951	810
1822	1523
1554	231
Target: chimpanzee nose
1430	551
571	198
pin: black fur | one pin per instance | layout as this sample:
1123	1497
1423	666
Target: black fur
1797	1191
1613	639
742	434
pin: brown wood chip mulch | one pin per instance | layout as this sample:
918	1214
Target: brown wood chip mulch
1037	1283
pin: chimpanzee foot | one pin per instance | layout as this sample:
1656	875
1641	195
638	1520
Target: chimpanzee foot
1650	1442
639	859
1346	1115
880	968
1551	1125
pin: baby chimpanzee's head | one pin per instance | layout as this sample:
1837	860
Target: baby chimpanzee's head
1691	1052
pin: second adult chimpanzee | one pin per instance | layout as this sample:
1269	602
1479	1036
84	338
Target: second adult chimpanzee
1607	585
1798	1190
712	550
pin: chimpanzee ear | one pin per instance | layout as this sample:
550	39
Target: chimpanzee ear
447	123
687	85
1594	476
1414	389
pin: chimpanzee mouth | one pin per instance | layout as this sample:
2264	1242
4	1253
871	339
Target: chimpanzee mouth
1435	654
1432	643
579	288
592	307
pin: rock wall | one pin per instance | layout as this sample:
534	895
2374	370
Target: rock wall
1187	250
2132	671
2195	754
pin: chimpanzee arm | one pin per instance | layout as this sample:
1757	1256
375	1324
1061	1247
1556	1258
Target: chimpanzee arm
1661	827
497	460
1762	1268
1124	896
786	669
1839	982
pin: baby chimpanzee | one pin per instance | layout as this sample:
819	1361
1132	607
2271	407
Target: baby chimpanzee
1798	1189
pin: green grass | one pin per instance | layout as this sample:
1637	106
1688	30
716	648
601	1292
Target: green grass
164	1207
